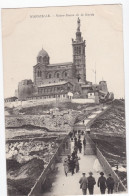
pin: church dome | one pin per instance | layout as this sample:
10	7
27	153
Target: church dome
43	53
43	57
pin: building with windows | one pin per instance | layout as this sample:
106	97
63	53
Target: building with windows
57	80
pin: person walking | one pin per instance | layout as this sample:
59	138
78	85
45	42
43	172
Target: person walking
72	166
77	164
75	141
82	132
91	183
79	136
69	163
84	142
102	183
75	150
73	154
110	184
83	183
80	146
66	169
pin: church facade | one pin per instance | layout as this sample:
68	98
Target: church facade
57	80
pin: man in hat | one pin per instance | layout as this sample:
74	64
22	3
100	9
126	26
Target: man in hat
79	145
83	183
110	184
102	183
91	183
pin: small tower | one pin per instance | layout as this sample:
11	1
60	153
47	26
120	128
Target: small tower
39	69
79	55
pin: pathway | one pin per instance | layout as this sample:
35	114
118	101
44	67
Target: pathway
69	185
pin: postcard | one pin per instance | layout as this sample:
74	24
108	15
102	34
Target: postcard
64	100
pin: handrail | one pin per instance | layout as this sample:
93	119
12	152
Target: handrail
45	171
119	184
107	167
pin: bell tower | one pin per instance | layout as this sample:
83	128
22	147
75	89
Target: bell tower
79	55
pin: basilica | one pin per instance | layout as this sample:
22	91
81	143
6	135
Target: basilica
57	80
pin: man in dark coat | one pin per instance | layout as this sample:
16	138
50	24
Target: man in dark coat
72	166
69	163
102	183
75	150
110	184
73	154
91	183
80	146
83	184
75	141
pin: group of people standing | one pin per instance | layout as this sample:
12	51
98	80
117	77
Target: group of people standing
78	144
103	183
71	164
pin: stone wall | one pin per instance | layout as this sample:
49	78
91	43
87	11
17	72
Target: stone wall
34	102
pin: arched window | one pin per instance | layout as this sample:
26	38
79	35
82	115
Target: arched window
58	75
40	74
65	74
40	59
79	50
45	59
49	76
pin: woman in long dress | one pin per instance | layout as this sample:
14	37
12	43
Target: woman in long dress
97	166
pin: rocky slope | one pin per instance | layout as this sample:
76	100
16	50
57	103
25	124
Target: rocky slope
109	133
26	159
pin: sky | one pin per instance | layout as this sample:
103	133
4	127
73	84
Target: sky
25	32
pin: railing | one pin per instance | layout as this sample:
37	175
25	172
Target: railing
107	167
108	170
37	188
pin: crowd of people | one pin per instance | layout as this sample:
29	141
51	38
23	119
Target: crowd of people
71	165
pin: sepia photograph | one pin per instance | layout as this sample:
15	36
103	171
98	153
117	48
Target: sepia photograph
64	100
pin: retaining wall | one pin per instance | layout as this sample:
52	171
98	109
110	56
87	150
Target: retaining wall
29	103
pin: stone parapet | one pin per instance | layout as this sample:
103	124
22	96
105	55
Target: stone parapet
63	149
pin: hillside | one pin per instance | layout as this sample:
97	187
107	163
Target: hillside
109	133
